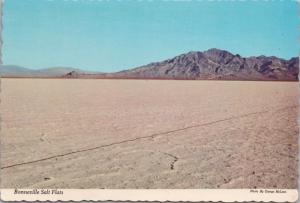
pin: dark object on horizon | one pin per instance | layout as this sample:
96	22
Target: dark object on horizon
72	74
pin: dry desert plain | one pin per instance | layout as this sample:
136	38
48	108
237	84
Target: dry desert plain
60	133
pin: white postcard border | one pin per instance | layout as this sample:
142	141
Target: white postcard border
191	195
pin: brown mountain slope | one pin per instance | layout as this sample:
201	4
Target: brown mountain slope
216	64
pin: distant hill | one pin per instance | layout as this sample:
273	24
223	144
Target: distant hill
18	71
216	64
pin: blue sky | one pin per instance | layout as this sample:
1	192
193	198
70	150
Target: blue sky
116	35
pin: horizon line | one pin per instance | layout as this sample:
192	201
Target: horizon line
192	51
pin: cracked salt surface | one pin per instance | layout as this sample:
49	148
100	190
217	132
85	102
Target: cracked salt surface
227	134
175	159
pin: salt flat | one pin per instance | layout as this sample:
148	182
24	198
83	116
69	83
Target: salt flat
59	133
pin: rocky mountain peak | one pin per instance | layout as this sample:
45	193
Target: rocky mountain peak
217	64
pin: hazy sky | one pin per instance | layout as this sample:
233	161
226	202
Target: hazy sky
115	35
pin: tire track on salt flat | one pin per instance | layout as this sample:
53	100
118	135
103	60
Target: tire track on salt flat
145	137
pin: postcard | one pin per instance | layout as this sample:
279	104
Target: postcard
149	100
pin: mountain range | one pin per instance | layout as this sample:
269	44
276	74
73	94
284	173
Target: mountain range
213	64
18	71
